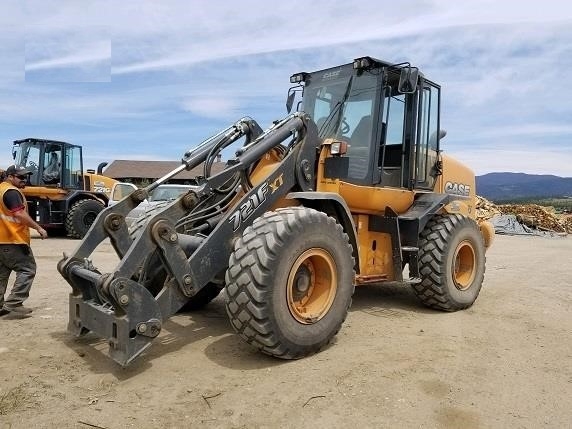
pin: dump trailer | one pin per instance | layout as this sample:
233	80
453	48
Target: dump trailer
350	189
61	197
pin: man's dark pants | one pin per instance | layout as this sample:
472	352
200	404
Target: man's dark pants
18	258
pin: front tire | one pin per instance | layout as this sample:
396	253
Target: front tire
451	263
290	282
81	216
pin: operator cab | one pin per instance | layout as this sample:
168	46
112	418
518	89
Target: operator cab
53	163
388	116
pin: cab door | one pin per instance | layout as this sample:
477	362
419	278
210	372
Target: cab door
426	149
72	173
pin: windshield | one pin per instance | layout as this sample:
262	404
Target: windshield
27	155
338	99
342	102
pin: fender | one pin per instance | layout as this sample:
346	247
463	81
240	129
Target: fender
413	221
76	195
333	205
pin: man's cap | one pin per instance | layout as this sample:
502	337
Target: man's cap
17	170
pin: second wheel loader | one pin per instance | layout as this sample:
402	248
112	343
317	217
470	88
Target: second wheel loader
61	197
348	190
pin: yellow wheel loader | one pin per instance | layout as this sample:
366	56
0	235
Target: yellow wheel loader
352	188
61	197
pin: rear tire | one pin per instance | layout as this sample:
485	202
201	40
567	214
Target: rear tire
203	297
138	224
451	263
56	232
157	277
290	282
81	216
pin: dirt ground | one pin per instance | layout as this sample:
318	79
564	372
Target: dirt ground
505	362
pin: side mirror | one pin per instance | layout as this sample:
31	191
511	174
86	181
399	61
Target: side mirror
292	96
290	99
408	80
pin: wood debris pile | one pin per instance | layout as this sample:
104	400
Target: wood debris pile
486	209
531	215
567	223
534	216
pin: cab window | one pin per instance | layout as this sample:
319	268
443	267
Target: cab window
426	148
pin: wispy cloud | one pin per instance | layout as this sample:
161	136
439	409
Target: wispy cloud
74	55
210	106
85	55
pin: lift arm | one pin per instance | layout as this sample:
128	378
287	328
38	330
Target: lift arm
115	305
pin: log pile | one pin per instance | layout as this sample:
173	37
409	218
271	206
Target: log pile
531	215
534	216
567	223
486	209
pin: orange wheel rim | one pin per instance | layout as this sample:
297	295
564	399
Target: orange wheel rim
465	262
312	285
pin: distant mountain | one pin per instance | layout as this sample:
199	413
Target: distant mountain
510	186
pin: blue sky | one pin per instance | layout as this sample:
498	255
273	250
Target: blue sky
150	79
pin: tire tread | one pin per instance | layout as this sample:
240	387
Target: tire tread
434	245
251	265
